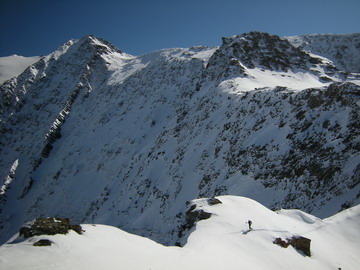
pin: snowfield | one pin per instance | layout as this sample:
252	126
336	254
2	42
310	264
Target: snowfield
221	242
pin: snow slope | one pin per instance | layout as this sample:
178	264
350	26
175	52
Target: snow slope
221	242
14	65
99	136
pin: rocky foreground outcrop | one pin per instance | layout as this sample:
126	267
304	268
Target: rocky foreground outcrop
49	226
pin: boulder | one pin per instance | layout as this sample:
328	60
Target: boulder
278	241
213	201
43	243
298	242
301	243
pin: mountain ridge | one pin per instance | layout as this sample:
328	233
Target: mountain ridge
127	140
341	49
223	240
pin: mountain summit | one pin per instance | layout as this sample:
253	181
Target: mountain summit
260	50
99	136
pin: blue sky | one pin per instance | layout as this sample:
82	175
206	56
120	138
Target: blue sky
38	27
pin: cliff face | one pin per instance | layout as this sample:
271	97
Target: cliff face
97	135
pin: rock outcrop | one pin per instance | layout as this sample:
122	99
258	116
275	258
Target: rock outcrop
298	242
48	226
259	50
43	243
194	214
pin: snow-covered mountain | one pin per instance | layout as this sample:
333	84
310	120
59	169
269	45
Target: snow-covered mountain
221	242
99	136
343	50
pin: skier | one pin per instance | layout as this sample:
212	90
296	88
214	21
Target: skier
249	222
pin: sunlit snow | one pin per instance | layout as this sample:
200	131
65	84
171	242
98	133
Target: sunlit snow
221	242
11	66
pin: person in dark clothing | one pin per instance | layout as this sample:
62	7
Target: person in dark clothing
249	222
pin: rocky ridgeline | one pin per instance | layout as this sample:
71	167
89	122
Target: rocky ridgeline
343	50
260	50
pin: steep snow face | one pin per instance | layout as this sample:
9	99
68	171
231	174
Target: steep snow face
101	136
14	65
221	242
97	113
343	50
